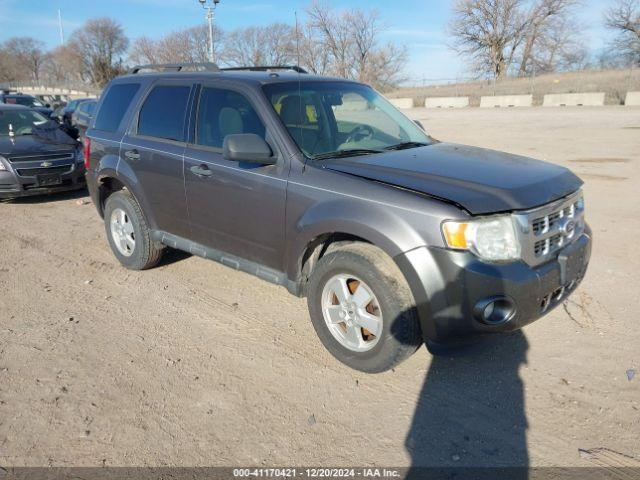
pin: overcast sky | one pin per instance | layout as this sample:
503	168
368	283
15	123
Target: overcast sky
418	24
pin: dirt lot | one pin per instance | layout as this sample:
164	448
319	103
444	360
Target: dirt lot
195	364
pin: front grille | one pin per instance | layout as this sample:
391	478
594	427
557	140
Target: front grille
50	157
32	172
548	229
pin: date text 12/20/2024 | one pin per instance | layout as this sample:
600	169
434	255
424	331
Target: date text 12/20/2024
364	473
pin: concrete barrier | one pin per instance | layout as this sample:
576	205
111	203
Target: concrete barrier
404	103
506	101
574	100
446	102
633	99
65	92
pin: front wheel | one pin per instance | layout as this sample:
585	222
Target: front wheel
362	308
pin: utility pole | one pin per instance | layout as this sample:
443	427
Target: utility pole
60	27
210	6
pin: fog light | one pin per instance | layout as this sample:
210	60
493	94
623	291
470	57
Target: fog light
495	310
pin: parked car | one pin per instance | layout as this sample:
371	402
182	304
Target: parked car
36	155
64	115
27	101
322	186
82	115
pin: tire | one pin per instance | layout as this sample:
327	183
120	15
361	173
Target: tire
145	253
399	335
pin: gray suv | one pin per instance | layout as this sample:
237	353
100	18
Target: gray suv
320	185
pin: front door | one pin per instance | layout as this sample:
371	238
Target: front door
235	207
154	149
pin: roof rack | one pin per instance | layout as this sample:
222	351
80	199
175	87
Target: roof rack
176	67
265	69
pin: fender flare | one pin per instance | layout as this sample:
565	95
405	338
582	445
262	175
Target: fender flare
123	173
360	219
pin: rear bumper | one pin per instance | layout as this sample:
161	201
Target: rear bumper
451	288
13	186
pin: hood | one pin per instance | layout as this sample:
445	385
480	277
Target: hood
481	181
31	145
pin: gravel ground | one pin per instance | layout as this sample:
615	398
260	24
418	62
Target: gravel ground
194	364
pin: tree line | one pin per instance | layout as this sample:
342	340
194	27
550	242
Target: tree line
524	37
345	43
497	37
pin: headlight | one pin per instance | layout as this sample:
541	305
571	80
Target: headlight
2	165
79	156
493	238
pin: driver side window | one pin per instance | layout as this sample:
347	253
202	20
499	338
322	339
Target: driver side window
225	112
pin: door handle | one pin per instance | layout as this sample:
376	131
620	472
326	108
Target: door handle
202	171
132	155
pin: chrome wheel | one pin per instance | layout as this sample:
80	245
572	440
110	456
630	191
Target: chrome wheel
122	232
352	313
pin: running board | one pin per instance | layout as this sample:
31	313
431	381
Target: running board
237	263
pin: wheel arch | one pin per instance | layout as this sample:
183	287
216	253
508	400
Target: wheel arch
329	225
112	180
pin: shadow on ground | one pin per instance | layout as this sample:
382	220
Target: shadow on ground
471	410
52	197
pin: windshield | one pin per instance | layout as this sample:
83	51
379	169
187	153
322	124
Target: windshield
20	122
326	118
26	101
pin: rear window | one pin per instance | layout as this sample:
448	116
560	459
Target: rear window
163	113
114	106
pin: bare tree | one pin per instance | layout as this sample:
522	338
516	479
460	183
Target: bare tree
314	56
541	25
335	33
624	18
7	73
101	44
23	58
489	32
186	46
269	45
387	65
63	65
348	44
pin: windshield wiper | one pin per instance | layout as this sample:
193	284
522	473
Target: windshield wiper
346	153
406	145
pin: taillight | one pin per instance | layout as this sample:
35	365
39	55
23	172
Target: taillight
87	152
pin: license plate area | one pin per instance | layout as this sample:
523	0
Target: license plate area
49	180
572	261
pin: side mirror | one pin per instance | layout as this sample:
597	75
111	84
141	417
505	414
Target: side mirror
419	123
48	105
247	147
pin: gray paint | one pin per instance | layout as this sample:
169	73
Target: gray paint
263	218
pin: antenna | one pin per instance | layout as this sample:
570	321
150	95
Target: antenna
60	27
297	39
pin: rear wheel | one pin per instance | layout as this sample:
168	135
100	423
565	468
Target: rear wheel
128	233
362	309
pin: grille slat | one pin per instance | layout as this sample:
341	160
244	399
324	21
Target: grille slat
41	158
32	172
548	229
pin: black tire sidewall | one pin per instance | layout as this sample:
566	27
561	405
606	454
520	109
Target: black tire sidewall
124	202
385	354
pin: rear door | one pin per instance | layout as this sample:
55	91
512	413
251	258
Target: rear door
235	207
154	147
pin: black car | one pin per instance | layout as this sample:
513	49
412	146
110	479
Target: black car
320	185
64	114
82	116
27	101
36	155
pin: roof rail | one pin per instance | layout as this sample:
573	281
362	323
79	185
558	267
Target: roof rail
176	67
265	69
